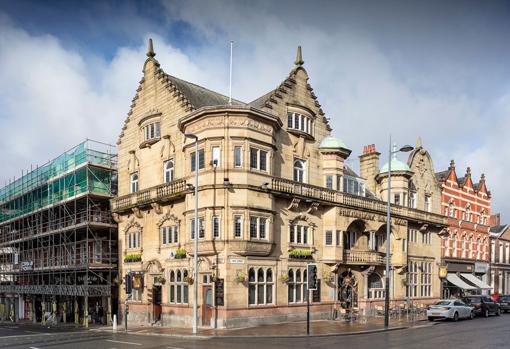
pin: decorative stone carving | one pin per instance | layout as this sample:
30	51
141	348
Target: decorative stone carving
294	204
117	218
168	217
157	208
314	206
132	224
137	212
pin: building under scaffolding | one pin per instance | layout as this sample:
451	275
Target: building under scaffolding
58	242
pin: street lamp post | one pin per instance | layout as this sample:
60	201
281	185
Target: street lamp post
405	148
195	253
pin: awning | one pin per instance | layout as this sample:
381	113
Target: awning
476	281
457	281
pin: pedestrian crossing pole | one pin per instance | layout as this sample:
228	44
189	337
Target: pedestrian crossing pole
311	285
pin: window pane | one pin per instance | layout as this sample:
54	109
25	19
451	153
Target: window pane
263	160
253	158
158	133
305	235
251	294
289	120
216	156
260	275
185	293
253	227
201	159
251	275
269	294
179	298
163	235
291	233
260	294
269	275
262	228
172	293
193	159
237	156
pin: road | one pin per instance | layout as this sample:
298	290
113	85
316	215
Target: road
476	334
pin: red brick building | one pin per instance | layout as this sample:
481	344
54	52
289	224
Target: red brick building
465	249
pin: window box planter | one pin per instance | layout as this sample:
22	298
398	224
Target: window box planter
180	253
133	258
301	254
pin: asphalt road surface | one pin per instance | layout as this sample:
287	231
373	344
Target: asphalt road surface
480	333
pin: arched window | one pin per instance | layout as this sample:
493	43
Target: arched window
375	286
260	286
454	245
179	284
463	247
470	248
169	171
299	171
134	182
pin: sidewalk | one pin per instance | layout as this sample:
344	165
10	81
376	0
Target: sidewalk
288	329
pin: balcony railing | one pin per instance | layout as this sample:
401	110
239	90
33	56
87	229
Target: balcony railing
352	201
364	257
149	195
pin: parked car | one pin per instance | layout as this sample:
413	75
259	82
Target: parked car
504	303
453	309
483	305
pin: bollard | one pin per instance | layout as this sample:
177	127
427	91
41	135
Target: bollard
114	322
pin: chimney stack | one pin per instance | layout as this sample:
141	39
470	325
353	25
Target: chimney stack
369	166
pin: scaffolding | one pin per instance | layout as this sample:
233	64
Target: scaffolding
58	242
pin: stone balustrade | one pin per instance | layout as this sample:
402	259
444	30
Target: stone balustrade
293	188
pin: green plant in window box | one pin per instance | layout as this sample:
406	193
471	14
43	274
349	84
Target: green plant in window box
300	254
180	253
133	258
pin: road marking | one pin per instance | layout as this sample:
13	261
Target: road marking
174	348
130	343
33	348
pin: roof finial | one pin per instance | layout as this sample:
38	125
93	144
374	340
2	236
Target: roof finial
482	177
452	163
468	171
418	143
299	57
150	49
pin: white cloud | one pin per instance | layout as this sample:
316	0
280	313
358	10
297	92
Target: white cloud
53	97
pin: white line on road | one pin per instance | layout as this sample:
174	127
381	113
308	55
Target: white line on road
33	348
174	348
130	343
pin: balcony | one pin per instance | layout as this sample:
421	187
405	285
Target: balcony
158	193
307	191
364	257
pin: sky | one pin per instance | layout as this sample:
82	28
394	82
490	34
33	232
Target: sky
431	69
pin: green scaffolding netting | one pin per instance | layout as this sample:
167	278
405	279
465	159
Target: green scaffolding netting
70	174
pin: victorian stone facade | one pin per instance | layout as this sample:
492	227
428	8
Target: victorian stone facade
274	194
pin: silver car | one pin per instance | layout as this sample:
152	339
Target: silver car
453	309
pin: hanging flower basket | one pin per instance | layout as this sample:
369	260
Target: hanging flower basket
241	277
188	279
284	278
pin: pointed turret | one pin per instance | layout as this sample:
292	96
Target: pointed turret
468	172
418	143
150	49
452	164
299	57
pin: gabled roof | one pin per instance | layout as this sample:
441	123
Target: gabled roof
443	175
498	230
200	96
